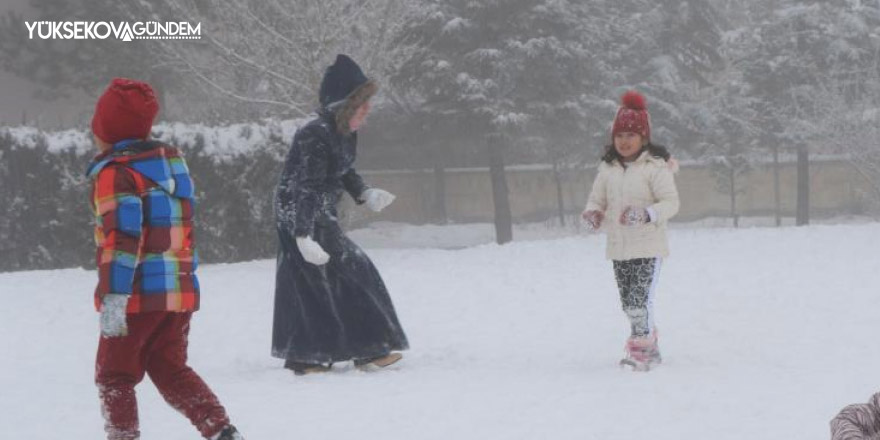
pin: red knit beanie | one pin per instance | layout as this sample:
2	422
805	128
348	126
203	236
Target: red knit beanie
125	111
632	116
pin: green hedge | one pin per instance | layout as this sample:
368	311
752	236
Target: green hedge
46	221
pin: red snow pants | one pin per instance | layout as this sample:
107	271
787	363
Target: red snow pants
156	345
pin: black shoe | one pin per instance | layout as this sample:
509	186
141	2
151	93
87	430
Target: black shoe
228	433
303	368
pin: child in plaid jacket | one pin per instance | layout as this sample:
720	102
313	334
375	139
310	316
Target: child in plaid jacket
143	201
142	196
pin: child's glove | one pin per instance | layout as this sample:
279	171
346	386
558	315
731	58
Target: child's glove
311	251
112	320
634	216
593	219
377	199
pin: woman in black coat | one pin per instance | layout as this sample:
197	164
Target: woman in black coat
330	302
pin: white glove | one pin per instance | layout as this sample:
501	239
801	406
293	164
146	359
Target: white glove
112	320
377	199
312	251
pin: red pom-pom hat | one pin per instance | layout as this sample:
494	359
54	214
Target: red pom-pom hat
632	116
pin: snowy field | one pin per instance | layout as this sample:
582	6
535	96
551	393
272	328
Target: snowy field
766	334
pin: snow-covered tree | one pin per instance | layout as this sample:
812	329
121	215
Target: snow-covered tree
801	47
675	64
520	74
254	58
269	57
727	121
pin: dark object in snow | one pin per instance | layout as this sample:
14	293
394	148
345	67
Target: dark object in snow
228	433
302	368
340	310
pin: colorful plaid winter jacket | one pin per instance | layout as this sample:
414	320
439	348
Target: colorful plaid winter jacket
142	196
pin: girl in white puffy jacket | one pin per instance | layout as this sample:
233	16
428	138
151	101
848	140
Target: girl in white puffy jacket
632	199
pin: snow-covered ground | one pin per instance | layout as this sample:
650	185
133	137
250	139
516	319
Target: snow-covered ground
766	334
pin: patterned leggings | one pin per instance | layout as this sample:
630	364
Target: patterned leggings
636	280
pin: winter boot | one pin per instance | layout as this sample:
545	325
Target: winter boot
377	362
228	433
303	368
642	353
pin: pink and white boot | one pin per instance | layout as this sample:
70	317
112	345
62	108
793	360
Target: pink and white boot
642	353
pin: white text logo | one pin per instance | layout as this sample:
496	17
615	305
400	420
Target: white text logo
102	30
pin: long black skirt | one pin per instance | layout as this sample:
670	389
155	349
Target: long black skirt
335	312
